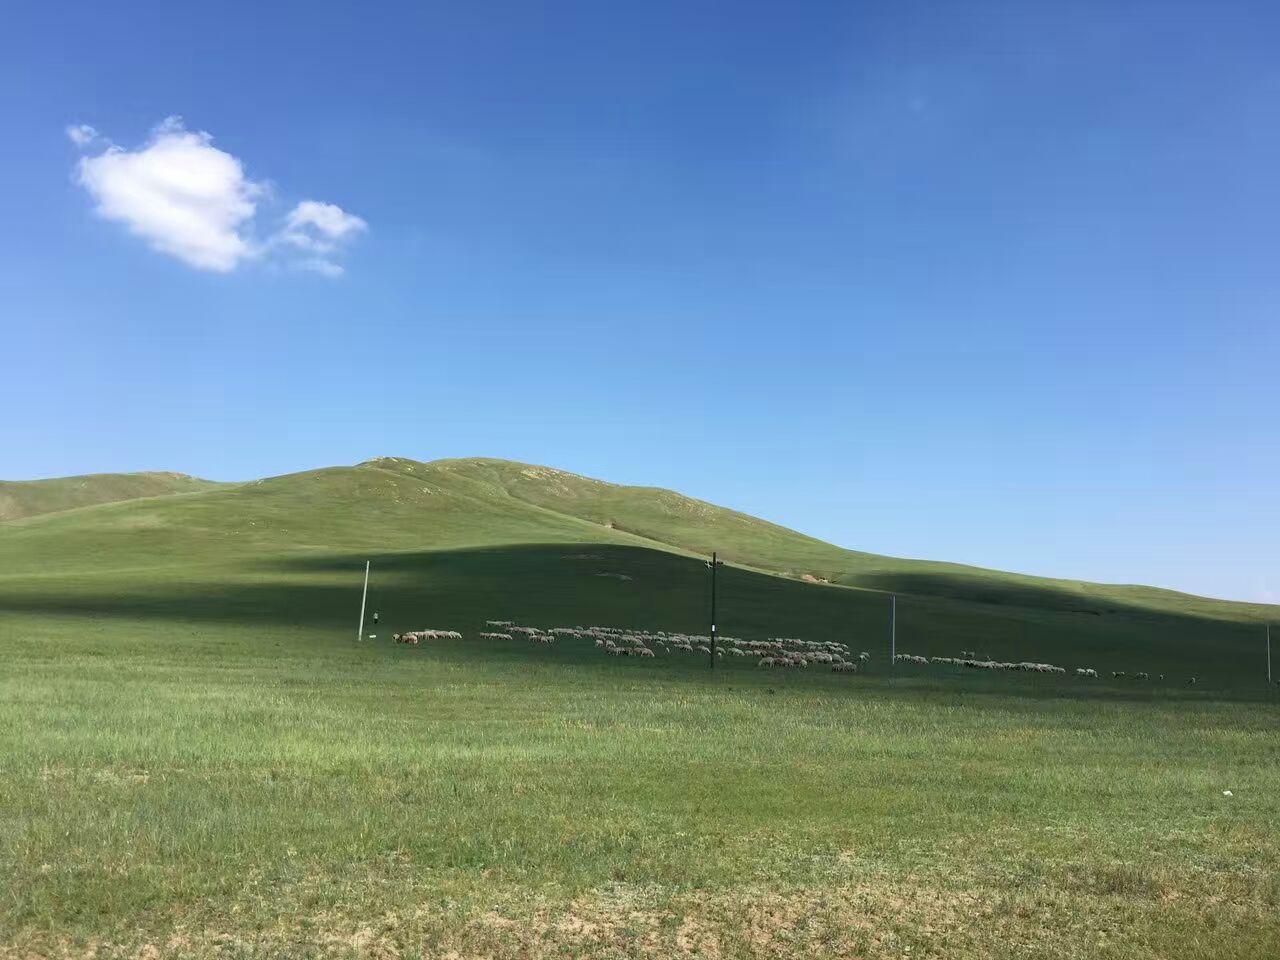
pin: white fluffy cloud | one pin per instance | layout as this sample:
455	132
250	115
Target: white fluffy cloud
178	192
187	198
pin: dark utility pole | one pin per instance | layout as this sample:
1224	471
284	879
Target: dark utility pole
893	631
713	564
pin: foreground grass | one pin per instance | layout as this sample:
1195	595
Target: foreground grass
202	788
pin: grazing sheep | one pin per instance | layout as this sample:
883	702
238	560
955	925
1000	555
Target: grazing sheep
1141	676
1034	667
416	635
1191	681
864	656
1117	674
1086	672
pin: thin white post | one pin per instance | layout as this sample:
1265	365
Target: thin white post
1268	653
893	630
363	596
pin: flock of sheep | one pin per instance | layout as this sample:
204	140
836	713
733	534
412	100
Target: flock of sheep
617	642
414	636
976	663
774	652
970	659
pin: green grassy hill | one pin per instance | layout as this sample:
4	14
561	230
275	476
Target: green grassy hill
459	541
28	498
393	504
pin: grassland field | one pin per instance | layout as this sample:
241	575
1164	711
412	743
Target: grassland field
199	759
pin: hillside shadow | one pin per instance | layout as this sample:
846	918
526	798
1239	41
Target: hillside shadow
1090	600
630	586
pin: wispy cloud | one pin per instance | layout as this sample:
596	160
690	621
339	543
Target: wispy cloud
319	229
322	266
190	200
81	134
317	226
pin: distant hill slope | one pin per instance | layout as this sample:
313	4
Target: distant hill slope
28	498
392	504
663	517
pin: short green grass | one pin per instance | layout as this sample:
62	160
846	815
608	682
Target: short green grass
198	759
206	763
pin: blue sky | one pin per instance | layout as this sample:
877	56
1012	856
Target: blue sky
985	282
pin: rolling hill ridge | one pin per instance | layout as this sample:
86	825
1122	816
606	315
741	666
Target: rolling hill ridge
393	504
29	498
